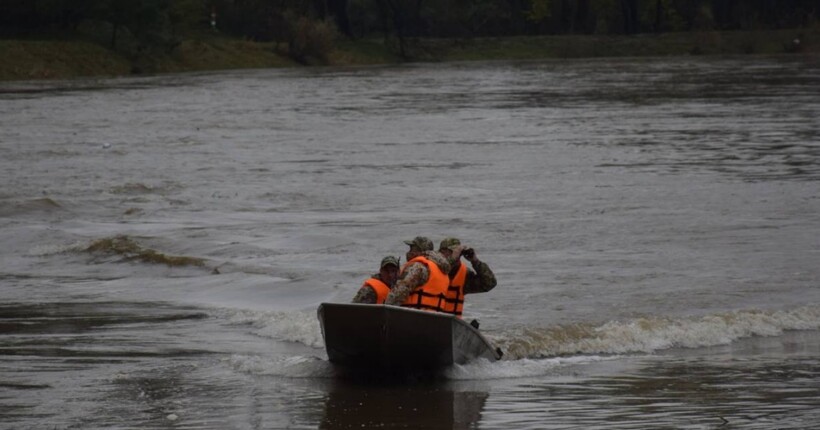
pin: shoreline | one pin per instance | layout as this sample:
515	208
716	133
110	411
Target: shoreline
63	59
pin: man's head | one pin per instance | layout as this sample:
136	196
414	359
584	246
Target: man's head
448	245
389	270
418	246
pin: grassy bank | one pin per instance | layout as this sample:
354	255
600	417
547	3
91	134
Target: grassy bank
666	44
51	59
44	59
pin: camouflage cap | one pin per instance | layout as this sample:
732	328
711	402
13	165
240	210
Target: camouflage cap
421	242
386	261
449	243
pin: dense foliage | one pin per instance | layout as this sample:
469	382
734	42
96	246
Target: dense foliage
306	23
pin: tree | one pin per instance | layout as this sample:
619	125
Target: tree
339	11
147	21
189	14
629	9
401	17
539	10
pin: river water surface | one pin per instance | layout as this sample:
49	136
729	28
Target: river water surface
654	225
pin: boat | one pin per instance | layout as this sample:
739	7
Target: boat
397	338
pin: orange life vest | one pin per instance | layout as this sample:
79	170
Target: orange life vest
379	287
455	292
432	296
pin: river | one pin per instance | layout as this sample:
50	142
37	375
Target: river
654	225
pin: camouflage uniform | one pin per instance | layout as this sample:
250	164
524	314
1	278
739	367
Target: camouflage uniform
366	294
413	276
480	278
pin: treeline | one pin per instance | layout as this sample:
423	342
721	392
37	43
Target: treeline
309	25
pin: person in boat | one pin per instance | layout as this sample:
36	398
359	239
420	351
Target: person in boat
464	280
374	290
423	280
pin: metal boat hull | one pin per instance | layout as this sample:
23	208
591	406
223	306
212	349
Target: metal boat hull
392	337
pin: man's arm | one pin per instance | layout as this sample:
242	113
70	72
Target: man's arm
366	295
414	276
481	280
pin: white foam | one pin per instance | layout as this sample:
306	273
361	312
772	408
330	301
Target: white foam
532	351
526	367
286	366
290	326
44	250
650	334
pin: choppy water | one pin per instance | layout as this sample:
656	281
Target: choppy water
654	225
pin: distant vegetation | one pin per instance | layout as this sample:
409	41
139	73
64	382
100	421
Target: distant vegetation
161	35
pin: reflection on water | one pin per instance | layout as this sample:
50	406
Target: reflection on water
64	330
58	359
95	365
351	404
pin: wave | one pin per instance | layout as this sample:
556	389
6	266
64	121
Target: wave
521	368
138	188
286	366
287	326
641	335
651	334
128	249
41	205
530	351
303	366
49	249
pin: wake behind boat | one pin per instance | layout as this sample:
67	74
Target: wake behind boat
396	338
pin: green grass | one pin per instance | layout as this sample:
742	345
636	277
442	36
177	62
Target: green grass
674	44
45	59
222	53
362	52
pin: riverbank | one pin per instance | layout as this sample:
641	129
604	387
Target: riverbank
58	59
